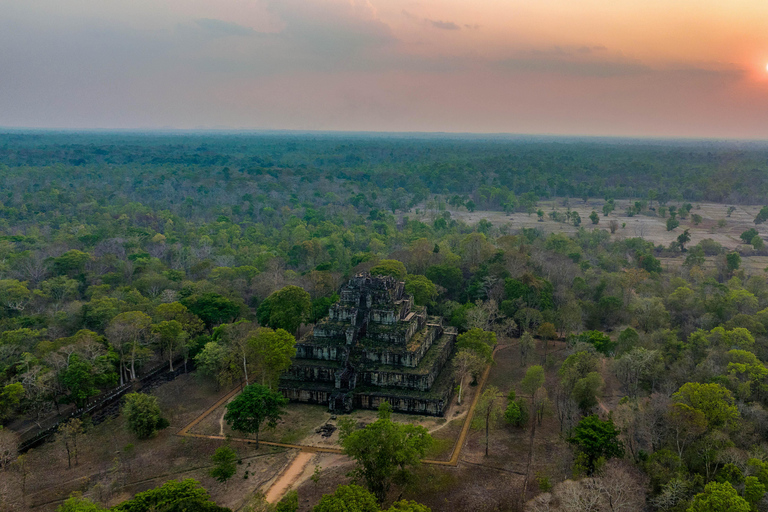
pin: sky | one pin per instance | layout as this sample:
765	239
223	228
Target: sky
646	68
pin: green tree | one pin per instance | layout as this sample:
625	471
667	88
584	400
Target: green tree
762	215
384	451
71	263
348	498
143	415
76	503
128	333
212	308
225	463
516	413
173	496
601	342
748	235
179	312
69	432
594	217
392	268
465	363
14	295
718	497
78	379
713	400
423	290
271	353
478	341
754	491
408	506
596	440
576	218
254	406
683	238
732	261
286	308
10	398
290	503
672	223
213	362
585	391
487	412
171	335
533	380
527	346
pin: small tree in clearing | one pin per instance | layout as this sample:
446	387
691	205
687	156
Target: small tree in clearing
143	414
225	460
68	432
488	411
255	405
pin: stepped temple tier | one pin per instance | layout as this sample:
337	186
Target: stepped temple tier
374	346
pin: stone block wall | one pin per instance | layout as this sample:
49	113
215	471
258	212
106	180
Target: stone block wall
312	373
320	352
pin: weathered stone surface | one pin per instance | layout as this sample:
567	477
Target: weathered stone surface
373	346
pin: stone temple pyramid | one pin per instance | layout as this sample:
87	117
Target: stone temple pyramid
375	345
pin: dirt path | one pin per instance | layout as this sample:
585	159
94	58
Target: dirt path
310	450
289	476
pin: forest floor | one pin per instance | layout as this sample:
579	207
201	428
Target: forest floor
478	482
113	465
652	228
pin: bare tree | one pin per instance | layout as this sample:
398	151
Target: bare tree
466	363
9	441
68	433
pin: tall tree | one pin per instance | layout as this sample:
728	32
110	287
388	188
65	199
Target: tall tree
271	353
384	451
466	363
128	333
596	439
254	406
171	336
286	309
488	411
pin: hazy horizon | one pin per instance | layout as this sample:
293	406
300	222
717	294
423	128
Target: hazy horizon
634	69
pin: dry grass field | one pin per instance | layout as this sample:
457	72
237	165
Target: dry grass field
651	228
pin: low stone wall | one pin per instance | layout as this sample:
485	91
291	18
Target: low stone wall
410	405
433	406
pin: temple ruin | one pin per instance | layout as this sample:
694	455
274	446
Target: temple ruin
375	345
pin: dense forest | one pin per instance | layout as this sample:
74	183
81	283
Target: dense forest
119	252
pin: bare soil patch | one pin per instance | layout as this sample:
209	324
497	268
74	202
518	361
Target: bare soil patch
114	465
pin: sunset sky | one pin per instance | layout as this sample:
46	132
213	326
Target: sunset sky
677	68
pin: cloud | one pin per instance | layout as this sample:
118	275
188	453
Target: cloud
223	28
571	67
438	24
594	61
444	25
590	49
